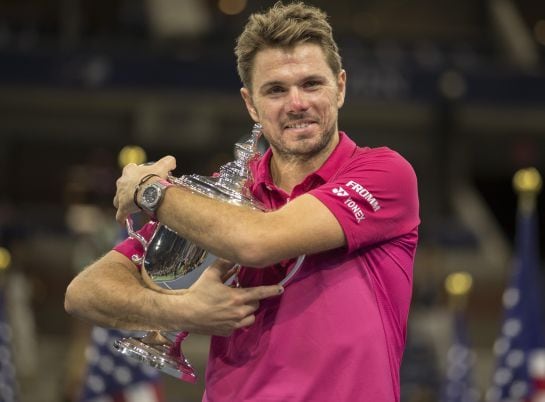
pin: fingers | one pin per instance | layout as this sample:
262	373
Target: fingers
132	174
247	316
252	296
228	330
167	163
261	292
120	217
128	166
246	321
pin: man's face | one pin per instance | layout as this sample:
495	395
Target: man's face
295	96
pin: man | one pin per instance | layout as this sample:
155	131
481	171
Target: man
338	330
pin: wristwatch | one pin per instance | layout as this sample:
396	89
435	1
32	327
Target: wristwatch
152	196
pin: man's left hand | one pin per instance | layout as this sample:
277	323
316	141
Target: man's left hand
132	175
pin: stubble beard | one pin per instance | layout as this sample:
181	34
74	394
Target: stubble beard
305	149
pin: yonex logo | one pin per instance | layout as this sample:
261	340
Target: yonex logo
341	192
356	210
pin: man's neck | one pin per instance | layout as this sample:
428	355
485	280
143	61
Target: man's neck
288	171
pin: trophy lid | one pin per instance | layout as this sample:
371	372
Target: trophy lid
214	187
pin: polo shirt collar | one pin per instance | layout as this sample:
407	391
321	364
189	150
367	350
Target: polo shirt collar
344	149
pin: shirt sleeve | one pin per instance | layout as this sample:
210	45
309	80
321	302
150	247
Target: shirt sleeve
374	198
131	247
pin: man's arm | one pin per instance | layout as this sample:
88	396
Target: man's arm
250	237
111	293
240	234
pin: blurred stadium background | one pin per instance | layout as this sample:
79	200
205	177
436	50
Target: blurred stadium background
456	86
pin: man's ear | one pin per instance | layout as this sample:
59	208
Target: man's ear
341	86
249	103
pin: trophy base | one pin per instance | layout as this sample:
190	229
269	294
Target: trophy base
159	355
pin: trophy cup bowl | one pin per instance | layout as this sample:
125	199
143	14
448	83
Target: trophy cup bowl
172	264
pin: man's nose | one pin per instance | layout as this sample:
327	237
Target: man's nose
297	100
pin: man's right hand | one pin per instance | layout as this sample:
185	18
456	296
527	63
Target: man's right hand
218	309
111	293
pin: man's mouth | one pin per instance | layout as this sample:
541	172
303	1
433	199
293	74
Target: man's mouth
299	124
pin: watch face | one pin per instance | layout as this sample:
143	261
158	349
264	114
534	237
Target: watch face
150	196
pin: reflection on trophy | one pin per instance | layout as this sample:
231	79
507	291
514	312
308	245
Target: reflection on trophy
171	263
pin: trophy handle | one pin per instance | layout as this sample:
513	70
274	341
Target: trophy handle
136	236
294	270
233	279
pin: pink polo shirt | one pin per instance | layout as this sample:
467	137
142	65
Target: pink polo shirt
338	331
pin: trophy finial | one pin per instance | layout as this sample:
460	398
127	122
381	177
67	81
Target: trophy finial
256	130
245	151
231	184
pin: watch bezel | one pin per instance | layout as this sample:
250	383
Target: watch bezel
151	203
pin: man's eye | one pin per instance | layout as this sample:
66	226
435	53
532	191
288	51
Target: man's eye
275	90
311	84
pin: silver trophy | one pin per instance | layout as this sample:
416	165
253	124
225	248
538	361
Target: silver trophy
171	263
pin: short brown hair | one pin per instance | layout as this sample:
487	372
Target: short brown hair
285	26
